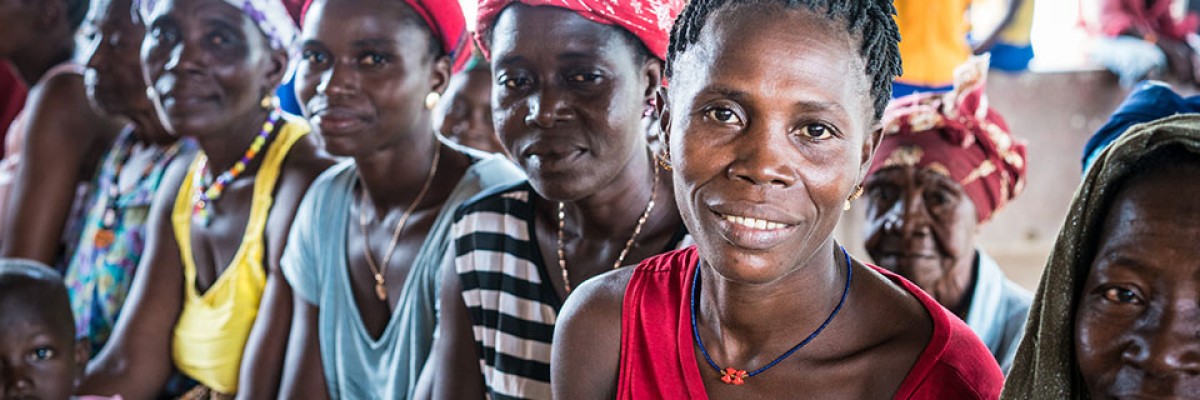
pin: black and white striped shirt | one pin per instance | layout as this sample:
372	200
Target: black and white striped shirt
507	290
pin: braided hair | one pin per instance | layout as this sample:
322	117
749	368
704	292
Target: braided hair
872	19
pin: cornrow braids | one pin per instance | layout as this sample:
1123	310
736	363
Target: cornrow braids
872	20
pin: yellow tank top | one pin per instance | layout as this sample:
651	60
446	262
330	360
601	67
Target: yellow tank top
933	40
213	327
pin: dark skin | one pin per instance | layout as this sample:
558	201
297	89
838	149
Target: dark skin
465	112
35	36
1137	317
363	80
921	225
64	137
755	132
210	67
39	356
114	78
569	112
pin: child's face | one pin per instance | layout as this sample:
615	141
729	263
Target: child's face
39	358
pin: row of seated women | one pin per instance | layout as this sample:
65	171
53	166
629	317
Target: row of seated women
233	250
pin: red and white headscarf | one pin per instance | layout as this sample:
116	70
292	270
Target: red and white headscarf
958	135
445	20
648	20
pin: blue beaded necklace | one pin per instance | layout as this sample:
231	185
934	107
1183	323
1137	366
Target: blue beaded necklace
735	376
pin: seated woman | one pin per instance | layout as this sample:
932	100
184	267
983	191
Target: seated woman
370	239
569	111
1115	315
209	297
770	123
56	143
1142	39
928	195
465	113
113	237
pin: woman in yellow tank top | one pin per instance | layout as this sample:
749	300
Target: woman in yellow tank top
210	300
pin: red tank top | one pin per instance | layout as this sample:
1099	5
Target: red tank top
658	359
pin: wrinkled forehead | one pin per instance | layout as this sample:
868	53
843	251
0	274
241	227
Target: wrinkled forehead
269	16
521	31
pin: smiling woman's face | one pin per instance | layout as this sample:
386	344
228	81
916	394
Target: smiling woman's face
208	65
365	70
770	126
568	110
1137	322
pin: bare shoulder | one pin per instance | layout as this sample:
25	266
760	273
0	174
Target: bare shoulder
599	298
59	110
890	329
305	161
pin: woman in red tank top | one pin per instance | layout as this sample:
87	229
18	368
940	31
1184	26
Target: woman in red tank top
770	123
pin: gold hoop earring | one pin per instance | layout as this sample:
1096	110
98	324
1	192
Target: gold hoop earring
267	102
431	100
664	159
858	191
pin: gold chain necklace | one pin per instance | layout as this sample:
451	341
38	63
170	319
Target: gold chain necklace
380	289
562	253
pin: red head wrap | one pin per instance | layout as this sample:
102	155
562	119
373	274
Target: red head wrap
957	135
648	20
445	19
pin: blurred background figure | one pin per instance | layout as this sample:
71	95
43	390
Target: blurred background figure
1010	40
56	142
464	115
1149	101
946	165
1141	39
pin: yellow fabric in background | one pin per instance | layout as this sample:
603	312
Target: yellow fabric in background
213	327
1018	32
933	39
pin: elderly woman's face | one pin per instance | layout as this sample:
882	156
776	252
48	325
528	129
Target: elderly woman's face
921	225
1137	325
569	109
208	64
114	76
769	123
365	70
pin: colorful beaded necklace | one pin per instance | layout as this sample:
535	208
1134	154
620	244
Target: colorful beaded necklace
206	192
734	376
108	220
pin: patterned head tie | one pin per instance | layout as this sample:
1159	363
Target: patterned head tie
957	135
648	20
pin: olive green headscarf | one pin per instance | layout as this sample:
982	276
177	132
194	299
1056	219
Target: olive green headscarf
1045	366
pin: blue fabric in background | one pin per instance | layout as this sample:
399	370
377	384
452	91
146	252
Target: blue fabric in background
1011	58
903	89
1149	101
287	96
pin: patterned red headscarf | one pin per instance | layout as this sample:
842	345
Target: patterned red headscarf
957	135
445	19
649	20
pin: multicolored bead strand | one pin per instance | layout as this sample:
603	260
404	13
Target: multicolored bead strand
105	236
207	193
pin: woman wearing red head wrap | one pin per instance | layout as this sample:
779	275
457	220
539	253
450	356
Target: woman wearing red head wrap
946	165
372	234
569	111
